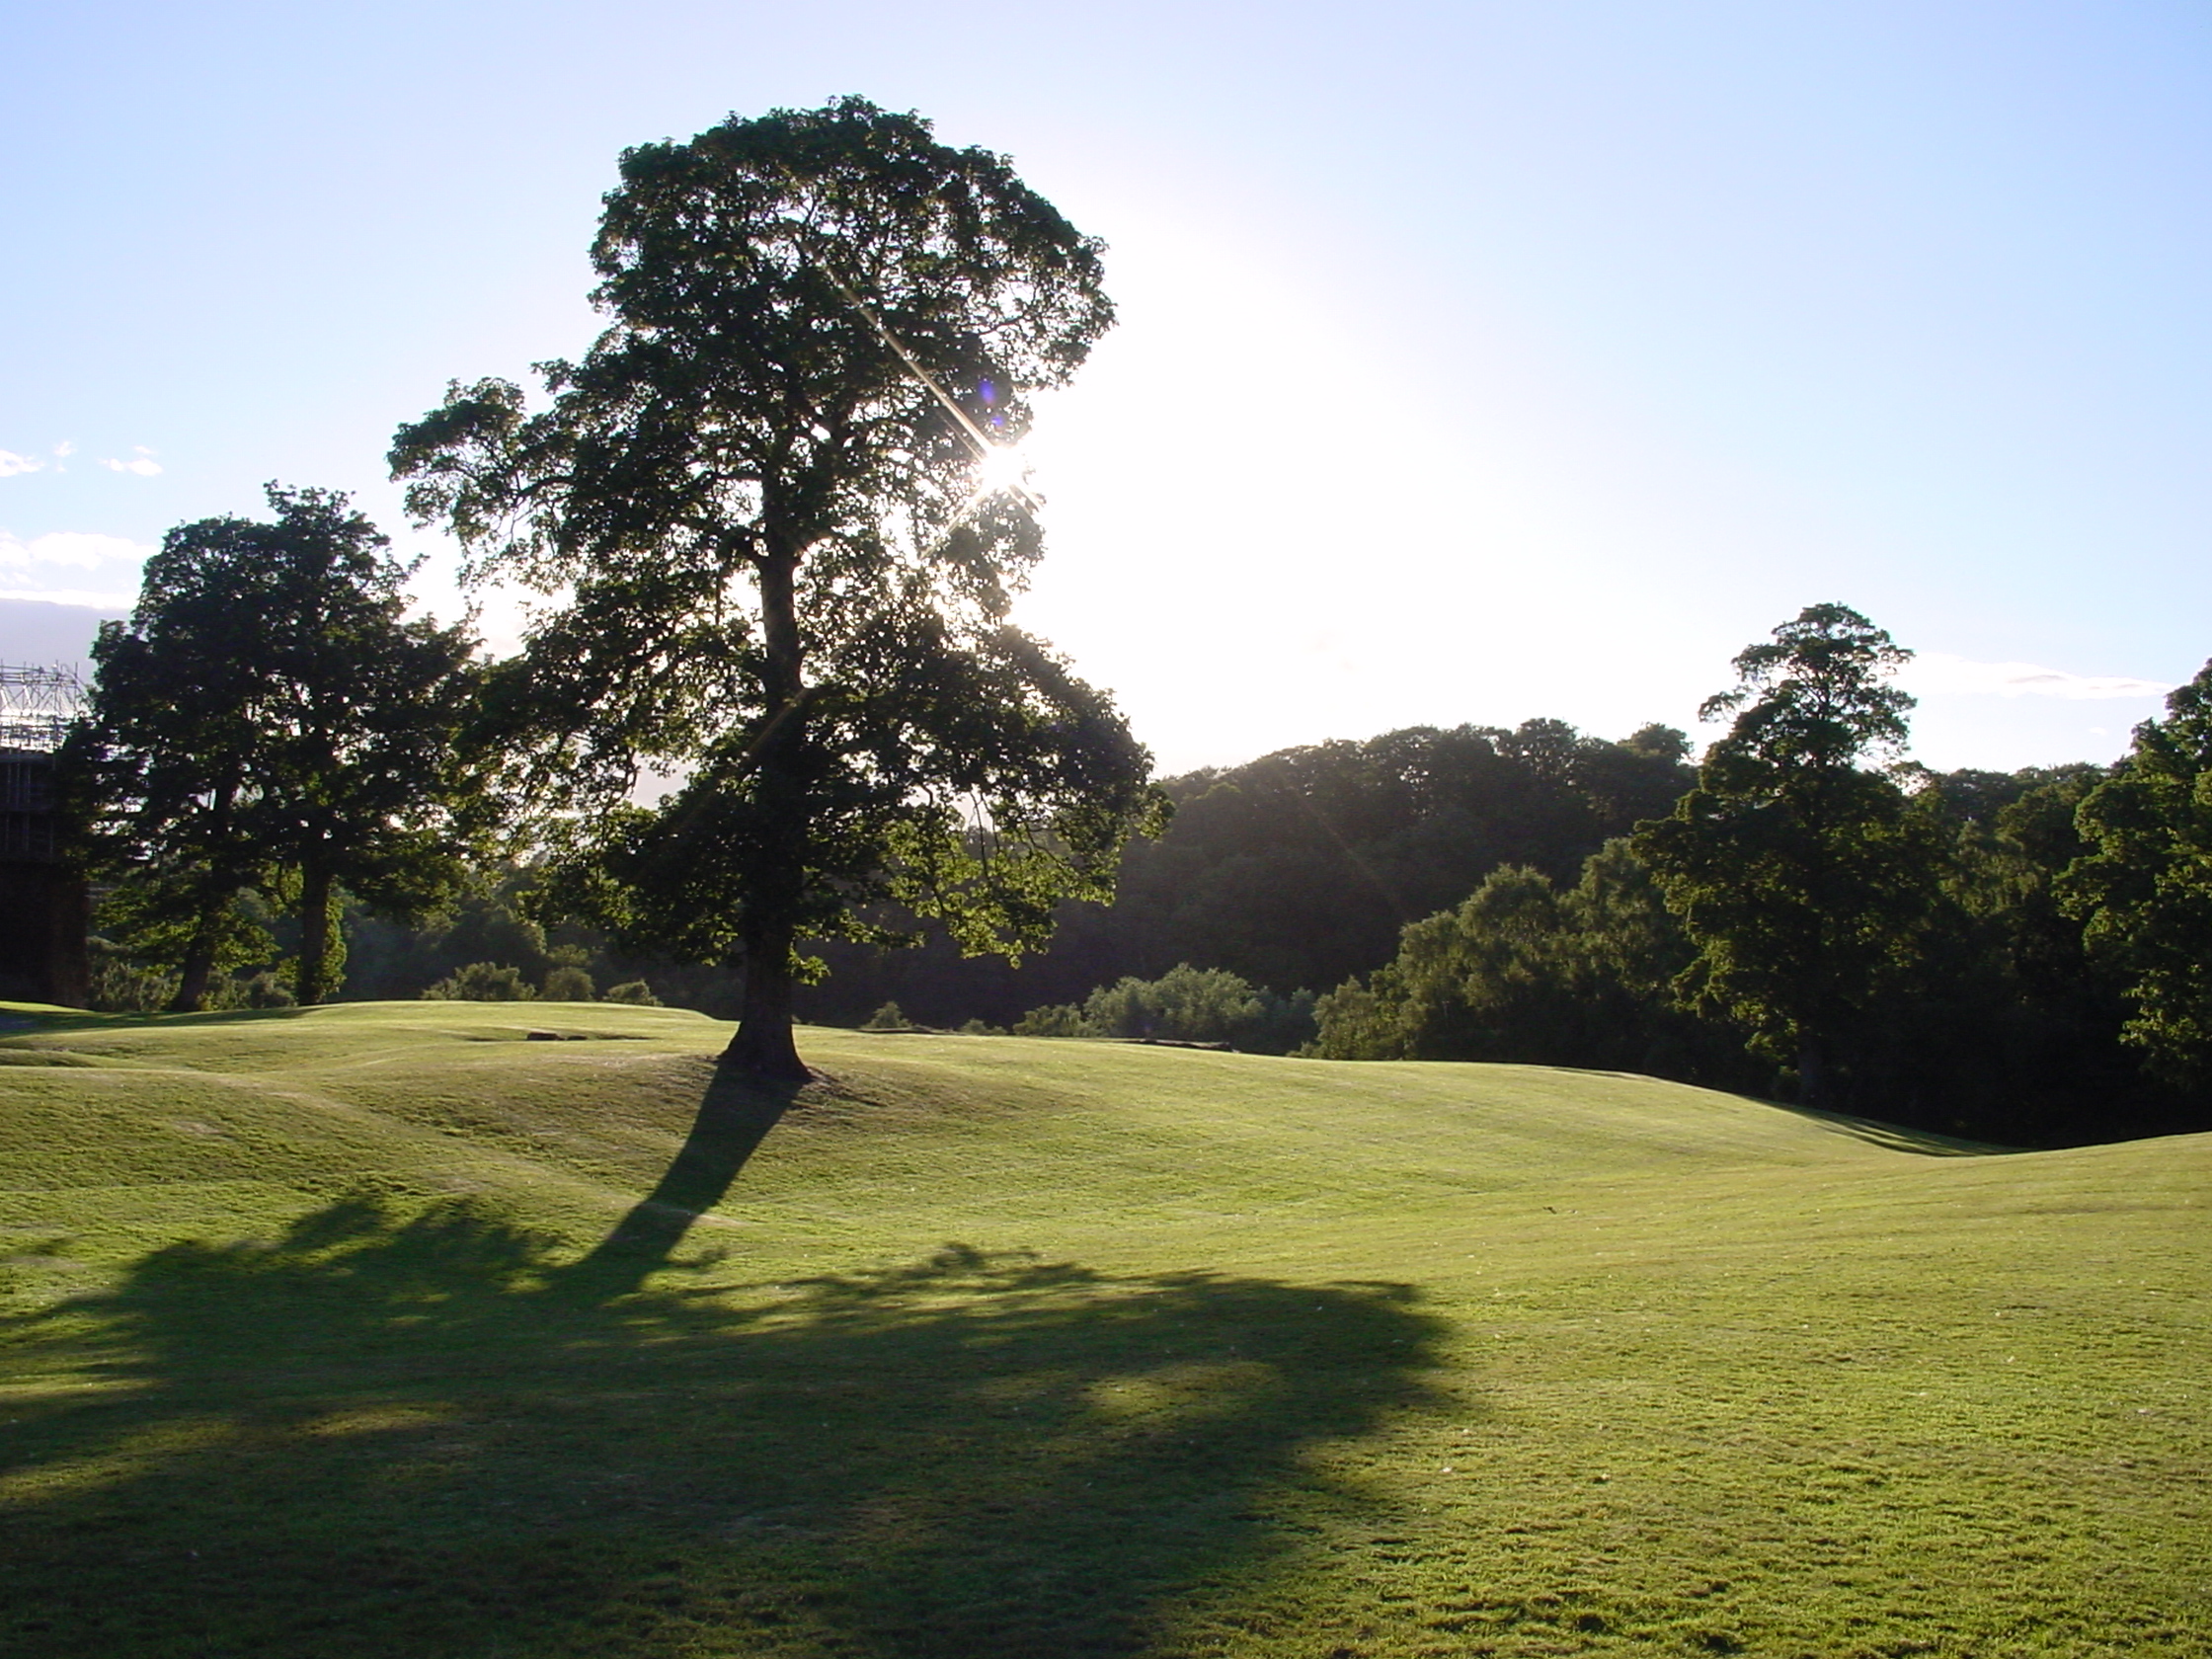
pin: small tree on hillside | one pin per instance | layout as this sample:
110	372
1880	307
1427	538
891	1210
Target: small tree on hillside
774	494
1798	874
482	981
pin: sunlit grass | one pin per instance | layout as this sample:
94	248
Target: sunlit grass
347	1333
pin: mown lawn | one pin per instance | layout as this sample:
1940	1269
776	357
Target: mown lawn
381	1330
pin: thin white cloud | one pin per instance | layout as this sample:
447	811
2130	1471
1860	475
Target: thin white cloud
111	562
142	463
65	449
1939	673
12	463
72	549
90	597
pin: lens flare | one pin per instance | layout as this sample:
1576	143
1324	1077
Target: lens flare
1002	466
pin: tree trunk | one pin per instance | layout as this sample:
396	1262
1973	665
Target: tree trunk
1812	1077
763	1046
199	966
198	969
315	935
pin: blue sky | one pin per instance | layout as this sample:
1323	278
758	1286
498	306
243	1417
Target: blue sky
1476	363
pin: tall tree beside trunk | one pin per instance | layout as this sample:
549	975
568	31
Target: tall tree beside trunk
1800	875
779	500
268	718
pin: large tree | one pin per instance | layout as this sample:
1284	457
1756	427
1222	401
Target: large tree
1800	873
773	499
267	717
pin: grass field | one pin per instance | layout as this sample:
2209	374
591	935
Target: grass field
381	1330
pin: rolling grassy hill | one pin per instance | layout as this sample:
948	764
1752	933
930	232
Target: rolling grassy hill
383	1330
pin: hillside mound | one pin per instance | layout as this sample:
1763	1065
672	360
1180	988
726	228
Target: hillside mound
405	1328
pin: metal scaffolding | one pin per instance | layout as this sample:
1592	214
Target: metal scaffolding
36	707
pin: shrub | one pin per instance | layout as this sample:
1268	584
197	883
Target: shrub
261	990
1526	972
568	983
1189	1004
482	981
1059	1019
636	992
889	1018
121	986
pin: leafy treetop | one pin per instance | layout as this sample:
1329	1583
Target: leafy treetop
786	564
1814	697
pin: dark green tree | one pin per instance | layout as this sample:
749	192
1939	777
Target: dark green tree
1798	873
269	718
1526	972
2144	885
774	493
167	753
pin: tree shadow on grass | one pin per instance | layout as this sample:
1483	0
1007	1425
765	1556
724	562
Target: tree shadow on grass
735	1114
1895	1137
426	1432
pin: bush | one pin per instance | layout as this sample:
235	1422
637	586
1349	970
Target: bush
263	990
980	1028
1059	1019
121	986
1286	1027
635	992
482	981
568	983
266	990
889	1018
1189	1004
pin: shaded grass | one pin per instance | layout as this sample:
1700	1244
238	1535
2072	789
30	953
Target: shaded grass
414	1331
422	1435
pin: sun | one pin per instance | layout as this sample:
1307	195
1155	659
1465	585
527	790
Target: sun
1001	466
1002	469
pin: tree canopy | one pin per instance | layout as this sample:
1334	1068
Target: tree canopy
269	718
774	498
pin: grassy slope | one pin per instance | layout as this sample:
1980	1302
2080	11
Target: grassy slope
318	1343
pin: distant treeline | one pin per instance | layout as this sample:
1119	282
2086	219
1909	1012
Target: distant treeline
1461	894
1296	871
